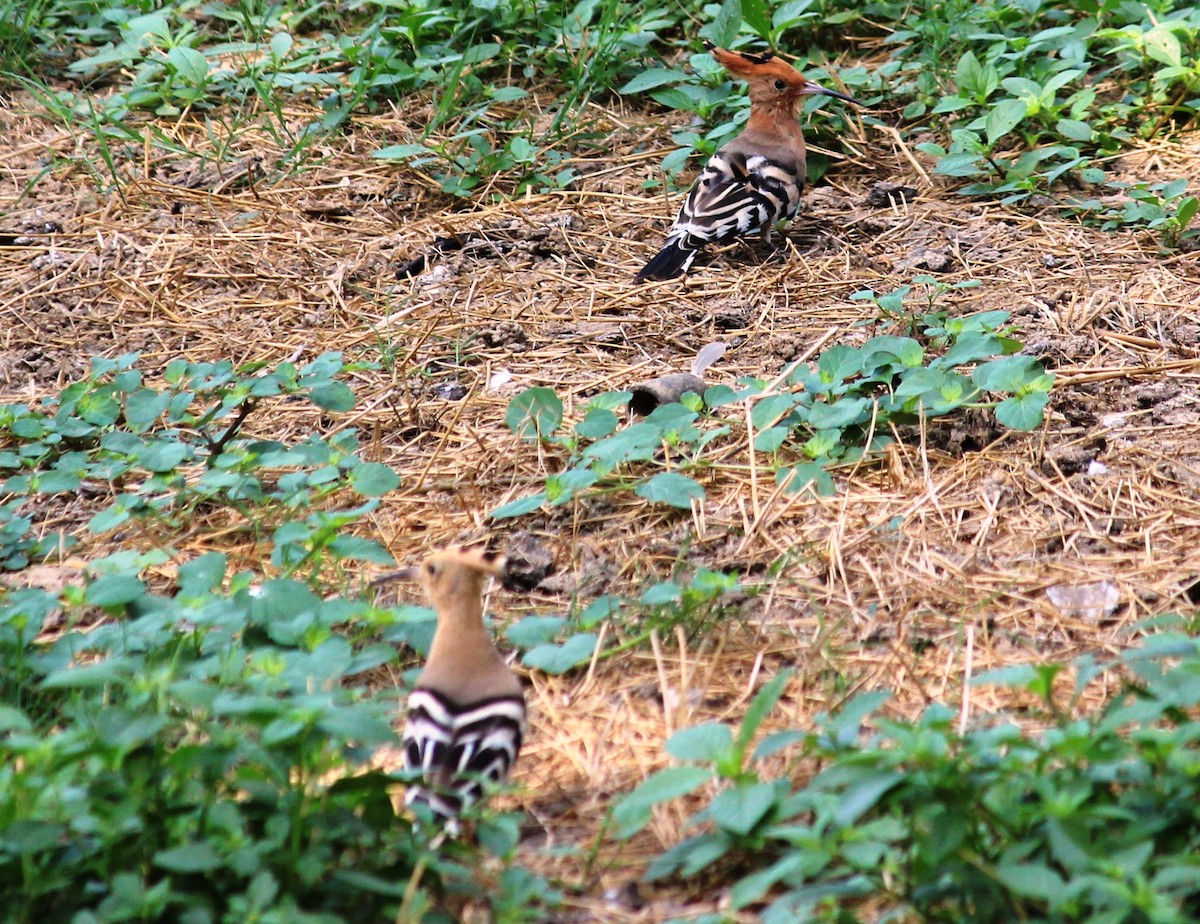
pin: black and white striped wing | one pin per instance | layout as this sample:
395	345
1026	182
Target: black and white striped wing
734	196
460	750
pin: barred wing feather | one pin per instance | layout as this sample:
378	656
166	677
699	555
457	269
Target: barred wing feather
459	749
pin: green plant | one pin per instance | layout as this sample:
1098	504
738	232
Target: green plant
805	422
557	644
1162	207
171	452
1091	819
201	755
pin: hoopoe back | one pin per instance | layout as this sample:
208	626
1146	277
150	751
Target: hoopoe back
466	714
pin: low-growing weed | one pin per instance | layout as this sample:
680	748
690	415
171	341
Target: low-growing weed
169	452
204	756
804	423
1092	819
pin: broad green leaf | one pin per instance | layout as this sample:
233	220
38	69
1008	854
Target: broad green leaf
190	858
202	574
1074	129
709	743
1024	412
650	79
519	507
144	407
373	479
1031	880
633	811
741	808
333	396
1007	374
189	64
534	630
671	488
596	424
1003	118
558	659
534	414
88	676
114	590
863	794
724	29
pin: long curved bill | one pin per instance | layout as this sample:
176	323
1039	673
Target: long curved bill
817	89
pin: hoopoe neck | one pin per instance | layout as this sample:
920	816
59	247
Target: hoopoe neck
463	662
776	119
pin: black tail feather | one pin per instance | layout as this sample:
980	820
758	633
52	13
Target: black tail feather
673	260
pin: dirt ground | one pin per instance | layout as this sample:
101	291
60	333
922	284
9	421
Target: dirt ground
941	560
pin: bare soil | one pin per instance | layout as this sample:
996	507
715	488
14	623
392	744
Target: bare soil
929	565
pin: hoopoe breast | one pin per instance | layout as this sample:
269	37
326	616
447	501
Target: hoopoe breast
459	749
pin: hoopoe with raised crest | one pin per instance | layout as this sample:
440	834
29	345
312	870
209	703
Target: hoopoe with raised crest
753	181
466	714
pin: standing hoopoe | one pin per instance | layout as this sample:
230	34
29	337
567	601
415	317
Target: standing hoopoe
466	714
753	181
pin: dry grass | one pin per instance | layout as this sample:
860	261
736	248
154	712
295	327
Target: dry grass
925	566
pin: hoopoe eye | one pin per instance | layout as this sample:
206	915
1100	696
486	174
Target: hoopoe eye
780	84
431	569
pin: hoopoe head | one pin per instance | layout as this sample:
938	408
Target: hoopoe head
771	80
456	574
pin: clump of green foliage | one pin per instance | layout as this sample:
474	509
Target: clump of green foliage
200	751
1092	819
803	424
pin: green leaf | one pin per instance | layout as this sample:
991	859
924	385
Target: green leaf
863	794
114	590
202	574
89	676
709	742
534	414
373	479
401	152
671	488
1032	880
775	742
558	659
724	29
1187	211
144	407
596	424
519	507
1004	117
190	858
633	811
333	396
959	165
1075	130
764	701
163	455
189	64
740	809
1024	412
838	414
534	630
655	77
13	719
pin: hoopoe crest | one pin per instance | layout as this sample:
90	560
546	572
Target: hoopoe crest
753	181
466	714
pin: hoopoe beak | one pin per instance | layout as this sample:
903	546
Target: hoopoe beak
404	574
817	90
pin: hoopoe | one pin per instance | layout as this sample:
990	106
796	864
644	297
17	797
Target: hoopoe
753	181
466	714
